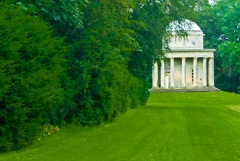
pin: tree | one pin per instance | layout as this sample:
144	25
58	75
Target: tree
100	54
156	15
103	39
31	62
64	15
220	23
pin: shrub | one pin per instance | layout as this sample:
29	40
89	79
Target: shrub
30	62
112	90
138	92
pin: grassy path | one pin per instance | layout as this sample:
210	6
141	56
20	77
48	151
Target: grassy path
172	127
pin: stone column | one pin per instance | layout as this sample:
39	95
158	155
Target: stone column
183	72
172	72
204	72
155	75
211	72
195	72
162	74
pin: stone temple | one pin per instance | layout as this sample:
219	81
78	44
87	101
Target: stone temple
187	66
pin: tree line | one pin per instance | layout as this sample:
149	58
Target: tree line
77	61
220	23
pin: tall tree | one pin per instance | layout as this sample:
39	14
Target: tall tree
156	15
220	23
30	59
64	15
102	52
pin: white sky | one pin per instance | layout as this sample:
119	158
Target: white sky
210	1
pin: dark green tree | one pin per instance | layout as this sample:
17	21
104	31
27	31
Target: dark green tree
30	61
103	51
64	15
220	23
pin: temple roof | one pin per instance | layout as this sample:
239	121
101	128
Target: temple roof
194	38
186	25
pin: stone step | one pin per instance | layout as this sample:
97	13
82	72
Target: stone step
203	89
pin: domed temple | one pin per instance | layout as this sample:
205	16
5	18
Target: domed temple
187	65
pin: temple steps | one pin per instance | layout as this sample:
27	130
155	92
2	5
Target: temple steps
197	89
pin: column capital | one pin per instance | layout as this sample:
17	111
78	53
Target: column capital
209	57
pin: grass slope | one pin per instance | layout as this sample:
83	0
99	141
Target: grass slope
173	126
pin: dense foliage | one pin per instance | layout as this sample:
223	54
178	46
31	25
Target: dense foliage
111	47
220	23
30	63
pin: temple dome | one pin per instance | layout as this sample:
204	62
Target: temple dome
194	39
186	25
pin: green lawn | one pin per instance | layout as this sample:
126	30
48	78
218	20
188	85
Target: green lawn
173	126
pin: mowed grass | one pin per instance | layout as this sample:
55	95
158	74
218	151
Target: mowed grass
172	127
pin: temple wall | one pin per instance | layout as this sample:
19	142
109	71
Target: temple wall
191	42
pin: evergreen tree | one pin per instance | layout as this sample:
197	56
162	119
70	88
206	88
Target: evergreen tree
30	61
